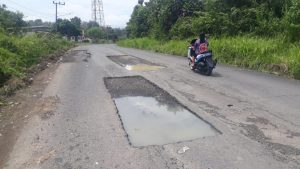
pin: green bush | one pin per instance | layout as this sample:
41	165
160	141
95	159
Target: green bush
7	42
293	32
10	64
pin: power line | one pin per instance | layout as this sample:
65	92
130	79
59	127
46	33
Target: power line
35	14
67	14
28	9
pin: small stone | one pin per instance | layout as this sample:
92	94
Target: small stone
183	150
97	163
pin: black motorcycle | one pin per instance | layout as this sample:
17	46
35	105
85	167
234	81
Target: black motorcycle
204	63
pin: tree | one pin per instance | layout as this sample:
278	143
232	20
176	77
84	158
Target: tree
138	25
95	33
76	21
38	22
67	28
164	19
292	21
10	19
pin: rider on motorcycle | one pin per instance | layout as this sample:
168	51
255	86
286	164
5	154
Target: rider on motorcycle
197	48
201	47
192	50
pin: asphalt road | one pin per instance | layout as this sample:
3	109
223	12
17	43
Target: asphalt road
257	114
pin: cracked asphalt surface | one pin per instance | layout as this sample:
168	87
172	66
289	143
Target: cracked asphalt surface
78	126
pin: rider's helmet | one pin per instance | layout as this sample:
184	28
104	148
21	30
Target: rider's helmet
193	42
202	37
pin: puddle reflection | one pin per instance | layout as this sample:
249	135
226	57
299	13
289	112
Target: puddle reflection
143	67
150	122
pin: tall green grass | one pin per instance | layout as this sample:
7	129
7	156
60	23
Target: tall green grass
264	54
17	53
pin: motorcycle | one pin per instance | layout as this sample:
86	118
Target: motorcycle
204	63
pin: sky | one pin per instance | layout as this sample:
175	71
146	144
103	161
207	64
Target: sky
116	12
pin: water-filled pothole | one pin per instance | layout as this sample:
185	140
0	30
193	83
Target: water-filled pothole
149	122
142	67
151	116
134	63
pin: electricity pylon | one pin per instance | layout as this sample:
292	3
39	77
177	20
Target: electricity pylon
98	12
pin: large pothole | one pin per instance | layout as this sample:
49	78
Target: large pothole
134	63
151	116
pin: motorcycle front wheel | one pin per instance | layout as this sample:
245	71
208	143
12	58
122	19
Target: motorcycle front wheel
192	67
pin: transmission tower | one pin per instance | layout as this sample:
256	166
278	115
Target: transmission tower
98	12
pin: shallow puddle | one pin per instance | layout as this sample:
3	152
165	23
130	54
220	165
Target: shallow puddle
150	122
142	67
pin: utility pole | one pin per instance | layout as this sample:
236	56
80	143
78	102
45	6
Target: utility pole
57	3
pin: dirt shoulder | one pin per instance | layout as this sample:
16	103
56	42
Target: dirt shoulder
23	99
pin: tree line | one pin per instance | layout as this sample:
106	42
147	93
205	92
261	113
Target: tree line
13	21
165	19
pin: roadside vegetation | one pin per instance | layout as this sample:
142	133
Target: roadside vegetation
262	35
249	52
20	51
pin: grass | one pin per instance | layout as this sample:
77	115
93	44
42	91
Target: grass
263	54
18	53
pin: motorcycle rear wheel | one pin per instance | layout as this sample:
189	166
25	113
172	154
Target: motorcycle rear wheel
208	71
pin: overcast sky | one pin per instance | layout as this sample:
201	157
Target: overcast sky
116	12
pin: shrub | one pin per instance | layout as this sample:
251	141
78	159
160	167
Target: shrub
18	53
10	64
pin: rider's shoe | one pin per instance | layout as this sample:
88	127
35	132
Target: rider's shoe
194	65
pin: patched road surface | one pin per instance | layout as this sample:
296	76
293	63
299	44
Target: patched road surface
107	107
